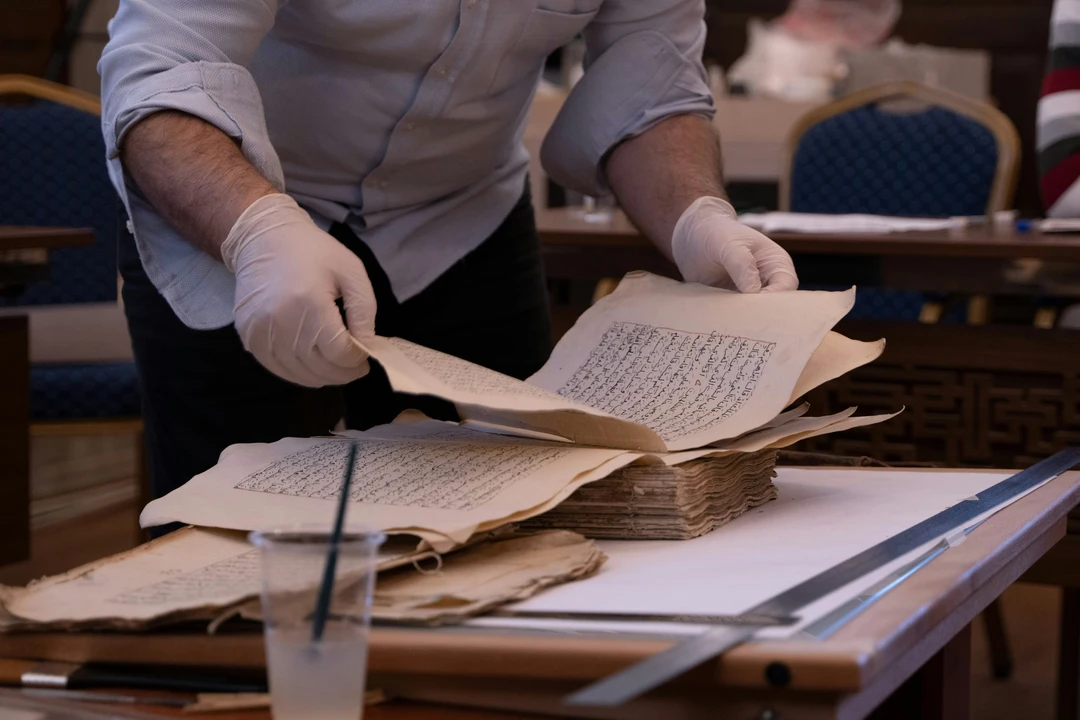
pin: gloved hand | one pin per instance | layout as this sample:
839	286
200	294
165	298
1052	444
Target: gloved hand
288	275
712	247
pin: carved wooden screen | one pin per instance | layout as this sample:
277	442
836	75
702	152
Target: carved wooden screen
975	396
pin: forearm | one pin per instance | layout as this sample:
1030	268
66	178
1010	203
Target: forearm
193	174
659	173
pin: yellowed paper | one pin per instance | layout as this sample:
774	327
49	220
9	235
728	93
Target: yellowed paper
834	357
179	573
657	365
192	573
433	480
839	426
484	576
493	402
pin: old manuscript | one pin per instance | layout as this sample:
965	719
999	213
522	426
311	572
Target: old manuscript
657	372
657	366
197	574
433	480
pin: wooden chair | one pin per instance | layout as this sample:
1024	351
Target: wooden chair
899	149
52	172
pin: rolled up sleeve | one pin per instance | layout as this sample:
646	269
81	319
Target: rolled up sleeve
642	65
189	56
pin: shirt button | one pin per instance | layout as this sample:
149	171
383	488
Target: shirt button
409	126
441	72
384	184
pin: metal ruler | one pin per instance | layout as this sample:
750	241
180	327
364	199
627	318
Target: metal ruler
655	670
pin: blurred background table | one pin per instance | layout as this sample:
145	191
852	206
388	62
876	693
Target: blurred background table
23	259
578	248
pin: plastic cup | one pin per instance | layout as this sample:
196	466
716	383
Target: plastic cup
316	680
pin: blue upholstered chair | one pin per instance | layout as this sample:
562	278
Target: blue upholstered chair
53	172
900	149
905	149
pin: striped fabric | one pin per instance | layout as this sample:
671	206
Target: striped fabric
1059	115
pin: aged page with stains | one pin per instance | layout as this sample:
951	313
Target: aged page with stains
694	364
187	574
434	480
657	365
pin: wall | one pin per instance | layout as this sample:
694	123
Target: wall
90	43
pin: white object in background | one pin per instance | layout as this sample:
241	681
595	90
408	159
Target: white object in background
959	70
781	66
852	223
846	23
1070	318
573	68
717	81
80	333
1060	225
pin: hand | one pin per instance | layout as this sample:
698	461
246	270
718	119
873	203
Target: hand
712	247
289	274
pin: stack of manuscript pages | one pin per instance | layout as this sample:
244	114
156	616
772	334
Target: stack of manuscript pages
659	372
660	502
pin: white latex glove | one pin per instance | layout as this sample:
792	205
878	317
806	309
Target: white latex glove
712	247
288	275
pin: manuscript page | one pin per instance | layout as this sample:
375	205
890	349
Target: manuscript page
490	401
175	575
694	364
657	365
835	356
190	573
417	478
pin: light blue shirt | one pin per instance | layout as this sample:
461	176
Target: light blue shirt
402	118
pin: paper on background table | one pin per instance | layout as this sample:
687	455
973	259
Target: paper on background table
657	365
815	223
411	479
760	554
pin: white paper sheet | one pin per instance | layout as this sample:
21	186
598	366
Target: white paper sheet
848	223
822	517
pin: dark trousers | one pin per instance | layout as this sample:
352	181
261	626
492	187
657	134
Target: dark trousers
203	392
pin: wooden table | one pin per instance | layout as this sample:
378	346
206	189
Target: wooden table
969	260
29	237
910	652
15	391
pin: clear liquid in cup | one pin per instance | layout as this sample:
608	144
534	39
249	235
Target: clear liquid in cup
321	681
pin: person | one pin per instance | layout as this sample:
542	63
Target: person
300	174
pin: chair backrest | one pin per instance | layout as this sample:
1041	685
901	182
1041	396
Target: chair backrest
949	155
53	172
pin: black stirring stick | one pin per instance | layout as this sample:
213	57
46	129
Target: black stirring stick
326	588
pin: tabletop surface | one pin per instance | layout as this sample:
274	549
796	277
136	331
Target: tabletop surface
935	604
569	227
389	710
25	237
